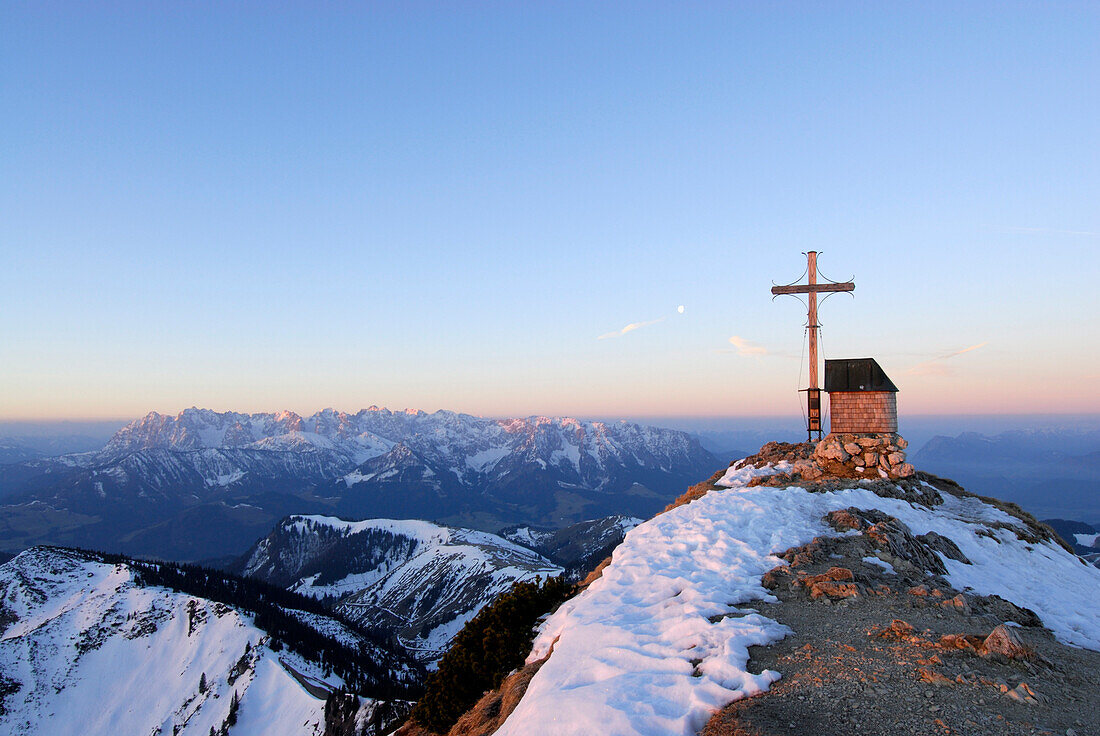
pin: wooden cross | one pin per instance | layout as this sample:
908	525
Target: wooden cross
811	289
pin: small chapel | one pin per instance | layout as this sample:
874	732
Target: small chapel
862	398
863	437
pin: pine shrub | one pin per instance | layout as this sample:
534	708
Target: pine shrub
493	643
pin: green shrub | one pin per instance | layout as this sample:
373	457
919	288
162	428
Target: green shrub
492	644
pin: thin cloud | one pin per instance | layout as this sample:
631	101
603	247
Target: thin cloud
964	350
629	328
741	346
745	347
638	325
935	366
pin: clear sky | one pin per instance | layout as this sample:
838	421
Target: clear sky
447	205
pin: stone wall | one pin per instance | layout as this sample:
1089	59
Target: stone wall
865	454
863	411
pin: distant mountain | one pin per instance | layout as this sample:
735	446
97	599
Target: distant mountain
206	484
1051	473
94	644
52	445
579	547
19	449
418	580
1084	538
13	450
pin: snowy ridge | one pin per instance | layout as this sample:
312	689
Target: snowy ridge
421	580
424	531
94	652
658	643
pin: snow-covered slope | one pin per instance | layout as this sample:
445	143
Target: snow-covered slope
658	643
422	581
86	649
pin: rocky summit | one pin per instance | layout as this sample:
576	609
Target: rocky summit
789	596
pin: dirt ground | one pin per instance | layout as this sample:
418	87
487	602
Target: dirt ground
869	657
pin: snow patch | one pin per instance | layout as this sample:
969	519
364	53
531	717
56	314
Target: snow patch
880	563
484	460
1086	540
224	479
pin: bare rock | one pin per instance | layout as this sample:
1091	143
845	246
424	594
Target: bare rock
1006	642
930	676
774	452
958	603
833	591
899	630
845	520
1023	693
944	546
840	574
776	577
1008	611
836	583
894	537
805	555
961	641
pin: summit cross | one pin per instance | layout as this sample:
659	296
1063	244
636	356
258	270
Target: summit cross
811	289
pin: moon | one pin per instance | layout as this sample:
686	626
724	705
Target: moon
680	309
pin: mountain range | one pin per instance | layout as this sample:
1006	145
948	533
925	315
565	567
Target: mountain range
1051	472
205	484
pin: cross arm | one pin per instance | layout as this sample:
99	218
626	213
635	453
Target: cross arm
813	288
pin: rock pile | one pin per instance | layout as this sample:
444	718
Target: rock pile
863	455
799	454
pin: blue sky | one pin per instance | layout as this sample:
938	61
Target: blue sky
446	205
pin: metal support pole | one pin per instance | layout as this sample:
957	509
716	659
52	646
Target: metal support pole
813	395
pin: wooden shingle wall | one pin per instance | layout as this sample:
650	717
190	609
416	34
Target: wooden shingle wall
863	411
